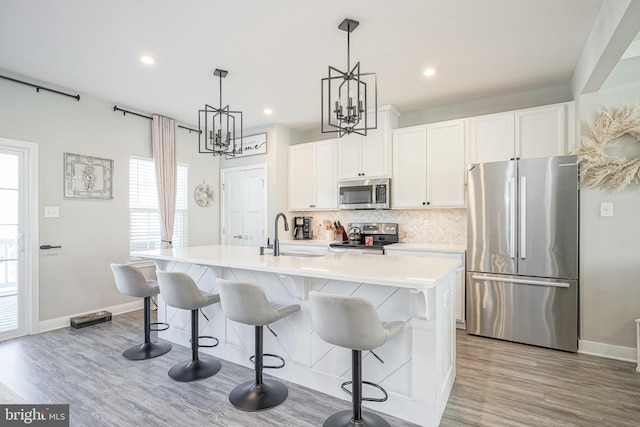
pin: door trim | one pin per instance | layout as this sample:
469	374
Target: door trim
31	251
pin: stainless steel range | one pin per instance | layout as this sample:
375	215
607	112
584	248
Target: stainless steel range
367	238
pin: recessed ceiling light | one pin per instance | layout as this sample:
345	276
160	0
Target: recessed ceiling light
268	111
147	59
429	72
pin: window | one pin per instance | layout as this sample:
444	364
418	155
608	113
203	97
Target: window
144	213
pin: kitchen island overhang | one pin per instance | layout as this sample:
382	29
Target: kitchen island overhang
419	364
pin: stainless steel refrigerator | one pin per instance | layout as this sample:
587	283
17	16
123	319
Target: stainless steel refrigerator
522	267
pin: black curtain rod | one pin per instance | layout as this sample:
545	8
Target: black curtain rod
125	112
38	87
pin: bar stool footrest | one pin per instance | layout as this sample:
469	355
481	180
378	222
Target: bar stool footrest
164	327
368	399
208	337
252	359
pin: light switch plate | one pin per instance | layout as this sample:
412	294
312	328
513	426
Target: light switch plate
606	209
51	212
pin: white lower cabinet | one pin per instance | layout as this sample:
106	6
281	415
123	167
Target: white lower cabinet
460	276
319	247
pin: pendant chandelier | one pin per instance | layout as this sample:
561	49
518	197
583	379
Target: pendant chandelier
347	96
217	127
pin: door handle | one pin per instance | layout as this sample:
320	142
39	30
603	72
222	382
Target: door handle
523	217
521	281
512	217
239	236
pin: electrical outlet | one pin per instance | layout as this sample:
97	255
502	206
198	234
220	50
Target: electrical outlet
51	212
606	209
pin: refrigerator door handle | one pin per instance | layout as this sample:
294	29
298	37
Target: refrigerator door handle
512	217
521	281
523	217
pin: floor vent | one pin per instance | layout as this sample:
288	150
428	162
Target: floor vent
90	319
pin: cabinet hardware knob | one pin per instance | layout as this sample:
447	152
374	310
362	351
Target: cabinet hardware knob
424	203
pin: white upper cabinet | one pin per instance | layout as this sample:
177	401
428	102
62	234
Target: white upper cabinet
362	157
313	177
541	132
429	166
446	170
492	138
530	133
409	183
325	174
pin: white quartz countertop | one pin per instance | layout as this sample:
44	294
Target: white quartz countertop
387	270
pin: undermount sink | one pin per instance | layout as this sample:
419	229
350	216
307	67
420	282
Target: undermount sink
302	254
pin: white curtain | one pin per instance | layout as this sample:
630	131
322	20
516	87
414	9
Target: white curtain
163	135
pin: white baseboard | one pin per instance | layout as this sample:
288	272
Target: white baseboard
63	322
628	354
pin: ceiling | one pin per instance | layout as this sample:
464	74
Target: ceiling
277	51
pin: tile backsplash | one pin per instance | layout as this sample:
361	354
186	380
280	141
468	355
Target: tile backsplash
439	226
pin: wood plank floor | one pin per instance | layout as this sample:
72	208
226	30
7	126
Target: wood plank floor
506	384
498	384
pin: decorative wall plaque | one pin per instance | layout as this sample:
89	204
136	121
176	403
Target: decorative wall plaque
88	177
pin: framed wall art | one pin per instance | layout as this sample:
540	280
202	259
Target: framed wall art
87	177
254	144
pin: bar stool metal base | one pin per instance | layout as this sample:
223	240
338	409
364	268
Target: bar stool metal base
250	396
147	350
193	370
345	419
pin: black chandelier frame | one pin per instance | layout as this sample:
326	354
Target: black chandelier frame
350	117
212	140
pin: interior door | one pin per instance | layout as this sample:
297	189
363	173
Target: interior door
244	206
492	217
15	282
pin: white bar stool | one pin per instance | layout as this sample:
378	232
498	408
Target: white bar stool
352	322
131	282
246	302
180	291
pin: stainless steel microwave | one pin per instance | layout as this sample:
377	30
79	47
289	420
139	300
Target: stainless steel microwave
365	194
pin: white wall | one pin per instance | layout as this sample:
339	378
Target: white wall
77	278
610	246
277	160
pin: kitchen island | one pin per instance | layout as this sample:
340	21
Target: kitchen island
419	364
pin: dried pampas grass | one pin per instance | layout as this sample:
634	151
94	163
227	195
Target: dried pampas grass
599	169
